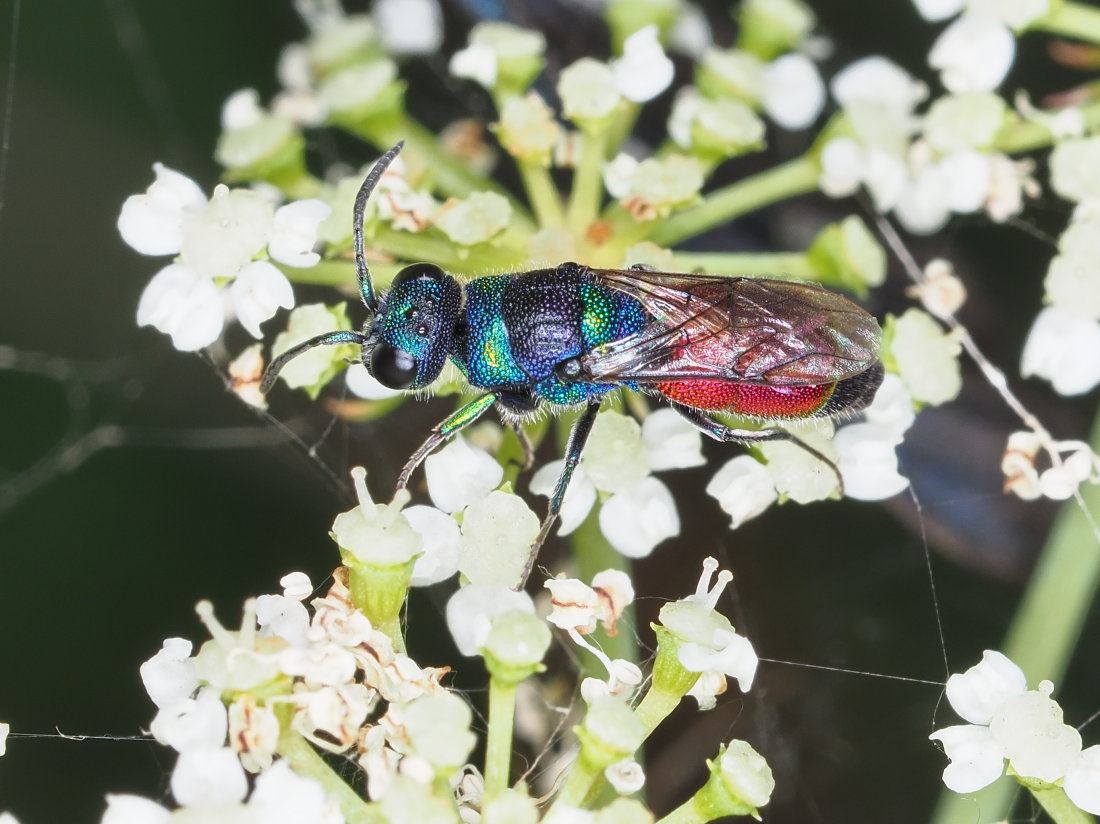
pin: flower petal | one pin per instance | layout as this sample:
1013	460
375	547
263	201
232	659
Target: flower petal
258	292
294	232
975	694
152	223
976	760
181	303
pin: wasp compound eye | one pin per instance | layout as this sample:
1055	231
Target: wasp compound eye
393	368
419	271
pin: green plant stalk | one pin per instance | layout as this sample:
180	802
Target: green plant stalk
1027	135
306	761
655	707
586	193
795	264
795	177
339	273
498	743
424	247
686	813
1078	20
542	192
451	175
1057	805
583	774
1044	630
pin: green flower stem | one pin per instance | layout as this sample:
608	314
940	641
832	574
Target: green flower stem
498	743
773	264
1078	20
1027	135
306	761
1044	630
421	246
542	192
686	813
452	176
380	593
1057	805
587	191
339	273
622	127
655	708
795	177
583	774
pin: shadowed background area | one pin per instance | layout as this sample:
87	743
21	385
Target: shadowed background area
133	484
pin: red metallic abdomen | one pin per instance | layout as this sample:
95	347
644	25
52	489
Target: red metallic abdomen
749	399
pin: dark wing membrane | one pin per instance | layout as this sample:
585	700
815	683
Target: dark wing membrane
751	330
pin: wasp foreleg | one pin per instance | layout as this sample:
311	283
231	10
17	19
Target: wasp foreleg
747	437
444	431
577	439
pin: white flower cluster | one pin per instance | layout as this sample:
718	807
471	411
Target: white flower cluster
319	676
221	244
1009	723
1072	464
863	452
923	167
637	511
1062	344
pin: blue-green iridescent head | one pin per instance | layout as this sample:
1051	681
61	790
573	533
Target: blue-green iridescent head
412	331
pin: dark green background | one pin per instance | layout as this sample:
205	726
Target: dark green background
100	559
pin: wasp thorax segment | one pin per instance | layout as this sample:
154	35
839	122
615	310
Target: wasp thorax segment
414	327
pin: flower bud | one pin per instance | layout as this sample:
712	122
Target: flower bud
527	129
438	729
740	782
768	28
515	647
477	218
312	370
610	733
846	254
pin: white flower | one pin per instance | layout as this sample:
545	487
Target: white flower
936	10
587	90
169	676
440	535
376	533
927	357
640	512
842	163
973	54
618	174
626	776
1061	347
744	489
460	474
644	70
208	776
670	441
797	474
152	223
183	304
1082	781
131	809
1075	169
476	62
409	26
281	796
5	730
257	293
1010	723
498	532
294	232
471	609
868	462
976	760
636	519
793	93
881	82
191	723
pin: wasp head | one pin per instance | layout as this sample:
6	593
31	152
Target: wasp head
412	331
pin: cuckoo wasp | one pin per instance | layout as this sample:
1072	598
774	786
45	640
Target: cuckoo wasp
764	349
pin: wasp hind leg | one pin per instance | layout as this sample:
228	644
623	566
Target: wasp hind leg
748	437
577	439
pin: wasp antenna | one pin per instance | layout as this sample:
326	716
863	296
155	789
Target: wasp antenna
366	287
327	339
